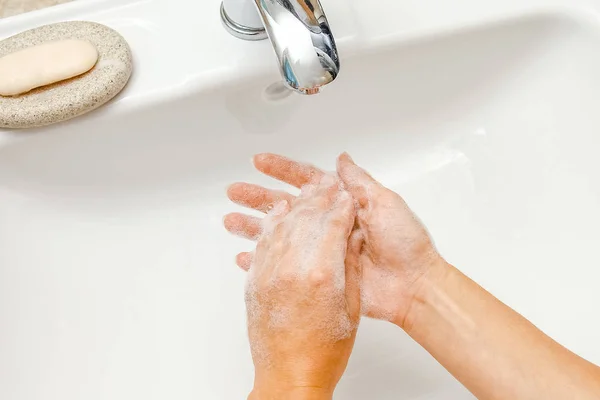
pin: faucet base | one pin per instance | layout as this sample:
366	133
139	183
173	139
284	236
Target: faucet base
241	31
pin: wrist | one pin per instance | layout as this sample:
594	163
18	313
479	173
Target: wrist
432	280
281	392
272	385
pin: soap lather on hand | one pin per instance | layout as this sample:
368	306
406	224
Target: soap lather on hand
44	64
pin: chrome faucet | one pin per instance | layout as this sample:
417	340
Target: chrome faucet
300	34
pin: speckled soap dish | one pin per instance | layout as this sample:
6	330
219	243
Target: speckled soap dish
76	96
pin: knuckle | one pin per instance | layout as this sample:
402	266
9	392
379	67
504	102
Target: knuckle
318	277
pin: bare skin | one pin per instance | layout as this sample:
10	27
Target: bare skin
495	352
303	295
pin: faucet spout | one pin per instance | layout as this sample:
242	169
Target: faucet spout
300	35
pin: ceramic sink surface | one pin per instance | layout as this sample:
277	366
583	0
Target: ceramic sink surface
117	280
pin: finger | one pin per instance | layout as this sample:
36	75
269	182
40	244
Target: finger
289	171
335	227
256	197
275	217
271	223
244	260
354	273
242	225
319	197
329	188
356	180
341	218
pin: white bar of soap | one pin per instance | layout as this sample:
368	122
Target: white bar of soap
45	64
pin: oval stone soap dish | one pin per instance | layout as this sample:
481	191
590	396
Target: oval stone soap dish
76	96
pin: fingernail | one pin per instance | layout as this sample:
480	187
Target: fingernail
258	158
232	187
346	157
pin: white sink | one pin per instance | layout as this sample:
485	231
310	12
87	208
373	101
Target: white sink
117	280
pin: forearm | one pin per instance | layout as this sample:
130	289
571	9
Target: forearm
491	349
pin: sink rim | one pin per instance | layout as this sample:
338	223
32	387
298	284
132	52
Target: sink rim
144	92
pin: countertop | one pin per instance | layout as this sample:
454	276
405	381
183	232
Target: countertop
14	7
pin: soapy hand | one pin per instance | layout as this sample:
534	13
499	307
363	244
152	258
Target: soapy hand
397	251
303	294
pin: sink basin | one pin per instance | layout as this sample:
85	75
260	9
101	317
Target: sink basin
117	280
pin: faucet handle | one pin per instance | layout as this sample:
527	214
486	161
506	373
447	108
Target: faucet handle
301	37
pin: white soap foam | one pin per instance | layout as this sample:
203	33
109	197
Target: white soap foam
310	228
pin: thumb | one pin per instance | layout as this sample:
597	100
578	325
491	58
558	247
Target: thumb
356	180
354	273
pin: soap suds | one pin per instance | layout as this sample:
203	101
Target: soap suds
313	225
